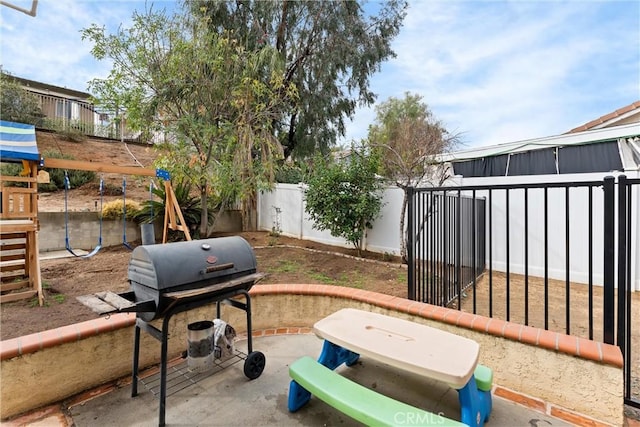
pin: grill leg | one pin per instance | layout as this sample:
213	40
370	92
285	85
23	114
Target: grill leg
246	306
249	330
163	369
136	357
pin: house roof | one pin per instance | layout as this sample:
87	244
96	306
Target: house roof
18	141
48	89
627	114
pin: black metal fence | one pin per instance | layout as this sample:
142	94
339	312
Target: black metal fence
628	302
551	255
447	245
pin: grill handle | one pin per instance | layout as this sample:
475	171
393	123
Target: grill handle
215	268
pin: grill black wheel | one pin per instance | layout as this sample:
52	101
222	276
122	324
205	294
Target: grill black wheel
254	365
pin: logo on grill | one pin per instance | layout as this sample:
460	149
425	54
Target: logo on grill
212	259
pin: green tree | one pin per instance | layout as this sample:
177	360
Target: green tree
17	104
331	49
171	74
408	137
345	197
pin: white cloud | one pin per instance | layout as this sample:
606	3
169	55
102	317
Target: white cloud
506	71
497	71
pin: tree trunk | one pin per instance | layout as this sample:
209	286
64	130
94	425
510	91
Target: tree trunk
204	212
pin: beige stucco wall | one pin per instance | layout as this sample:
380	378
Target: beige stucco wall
53	374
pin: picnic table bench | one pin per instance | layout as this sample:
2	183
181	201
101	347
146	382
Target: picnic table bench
413	347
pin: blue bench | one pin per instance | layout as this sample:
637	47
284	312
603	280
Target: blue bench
360	403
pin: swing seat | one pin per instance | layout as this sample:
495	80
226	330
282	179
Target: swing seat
87	255
67	243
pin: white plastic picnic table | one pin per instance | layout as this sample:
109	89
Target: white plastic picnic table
413	347
416	348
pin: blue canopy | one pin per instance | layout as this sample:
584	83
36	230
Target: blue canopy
18	142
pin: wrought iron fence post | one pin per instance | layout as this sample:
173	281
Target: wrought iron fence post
622	260
411	262
609	260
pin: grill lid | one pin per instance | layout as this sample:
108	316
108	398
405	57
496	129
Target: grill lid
191	264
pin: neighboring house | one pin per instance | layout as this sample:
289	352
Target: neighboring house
72	110
607	144
64	108
622	116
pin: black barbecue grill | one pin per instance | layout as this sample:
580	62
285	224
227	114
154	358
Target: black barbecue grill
175	277
164	275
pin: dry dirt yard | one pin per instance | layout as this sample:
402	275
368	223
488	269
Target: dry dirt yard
283	259
102	151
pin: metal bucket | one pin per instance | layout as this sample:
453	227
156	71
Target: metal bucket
148	234
200	346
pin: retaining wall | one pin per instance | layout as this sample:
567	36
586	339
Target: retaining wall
84	229
565	376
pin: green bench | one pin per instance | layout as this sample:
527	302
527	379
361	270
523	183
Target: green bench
354	400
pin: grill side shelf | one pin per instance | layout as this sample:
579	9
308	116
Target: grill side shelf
109	302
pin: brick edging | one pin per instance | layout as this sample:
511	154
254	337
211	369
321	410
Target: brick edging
574	346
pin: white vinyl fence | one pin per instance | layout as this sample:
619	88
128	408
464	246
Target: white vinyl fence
283	209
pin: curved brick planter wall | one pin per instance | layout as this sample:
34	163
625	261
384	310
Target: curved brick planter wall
568	377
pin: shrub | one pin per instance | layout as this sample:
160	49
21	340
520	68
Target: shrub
113	209
68	131
345	198
18	104
11	169
77	178
291	174
73	135
111	190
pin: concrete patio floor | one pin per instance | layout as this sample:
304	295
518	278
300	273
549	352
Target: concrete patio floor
228	398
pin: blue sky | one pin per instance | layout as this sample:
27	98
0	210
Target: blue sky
492	71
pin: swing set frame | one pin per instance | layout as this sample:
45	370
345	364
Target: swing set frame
173	219
19	215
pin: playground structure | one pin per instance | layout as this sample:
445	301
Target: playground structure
19	262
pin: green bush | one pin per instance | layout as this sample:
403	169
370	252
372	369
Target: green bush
18	104
77	178
345	198
189	206
11	169
68	131
113	209
290	174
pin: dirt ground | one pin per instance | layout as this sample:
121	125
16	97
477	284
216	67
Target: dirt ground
101	151
283	259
